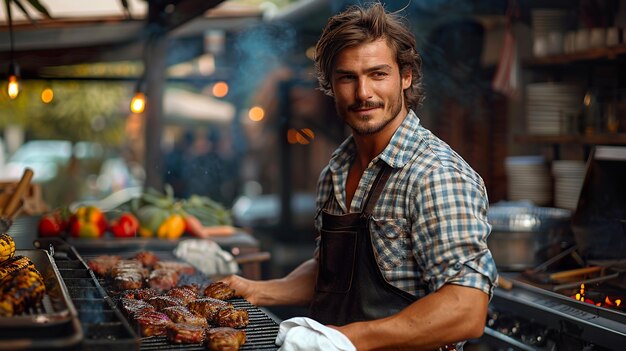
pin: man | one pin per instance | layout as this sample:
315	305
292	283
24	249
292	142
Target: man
402	261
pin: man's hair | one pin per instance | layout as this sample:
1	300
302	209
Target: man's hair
356	26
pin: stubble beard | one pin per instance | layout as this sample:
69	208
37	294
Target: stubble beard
361	126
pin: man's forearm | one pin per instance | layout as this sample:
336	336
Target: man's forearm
297	288
452	314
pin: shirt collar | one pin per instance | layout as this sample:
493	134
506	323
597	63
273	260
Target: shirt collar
398	152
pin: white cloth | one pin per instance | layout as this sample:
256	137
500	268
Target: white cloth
305	334
207	256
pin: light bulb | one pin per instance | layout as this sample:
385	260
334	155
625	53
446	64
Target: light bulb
138	103
47	95
13	88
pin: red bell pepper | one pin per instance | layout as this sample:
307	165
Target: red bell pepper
125	226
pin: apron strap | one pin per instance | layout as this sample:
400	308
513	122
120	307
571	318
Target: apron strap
377	188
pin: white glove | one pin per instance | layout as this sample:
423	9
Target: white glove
207	256
305	334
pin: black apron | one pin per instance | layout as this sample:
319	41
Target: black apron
350	287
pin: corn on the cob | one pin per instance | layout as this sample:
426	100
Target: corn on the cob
14	264
7	247
21	290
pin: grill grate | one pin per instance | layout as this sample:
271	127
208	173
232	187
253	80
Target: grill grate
260	333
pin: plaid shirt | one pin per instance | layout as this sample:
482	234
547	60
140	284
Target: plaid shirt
429	227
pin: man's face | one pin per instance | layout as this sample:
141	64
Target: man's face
368	87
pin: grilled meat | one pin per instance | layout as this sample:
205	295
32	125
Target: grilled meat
161	302
21	290
147	258
234	318
152	323
181	267
180	314
163	279
208	307
14	264
219	290
225	339
133	307
7	247
184	294
181	333
193	287
128	274
102	265
139	294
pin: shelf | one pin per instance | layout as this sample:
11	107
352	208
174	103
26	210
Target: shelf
597	139
608	53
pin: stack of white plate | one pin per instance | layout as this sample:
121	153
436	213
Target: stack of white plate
529	179
546	21
552	108
568	181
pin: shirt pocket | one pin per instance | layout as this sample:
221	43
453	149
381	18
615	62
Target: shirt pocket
391	240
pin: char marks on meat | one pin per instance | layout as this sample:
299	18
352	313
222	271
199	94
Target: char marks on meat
163	279
147	258
208	307
180	314
181	333
133	307
219	290
225	339
182	268
152	323
186	295
193	287
161	302
102	265
233	318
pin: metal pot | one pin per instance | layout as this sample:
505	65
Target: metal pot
523	236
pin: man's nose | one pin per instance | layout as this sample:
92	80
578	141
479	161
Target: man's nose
363	91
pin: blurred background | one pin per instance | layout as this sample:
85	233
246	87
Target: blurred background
523	90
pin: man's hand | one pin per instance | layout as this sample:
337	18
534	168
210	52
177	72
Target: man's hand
244	288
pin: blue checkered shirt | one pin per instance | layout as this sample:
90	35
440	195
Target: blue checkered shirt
429	226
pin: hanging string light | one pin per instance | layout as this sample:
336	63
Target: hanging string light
13	85
138	103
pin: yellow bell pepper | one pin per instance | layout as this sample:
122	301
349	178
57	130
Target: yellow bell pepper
172	228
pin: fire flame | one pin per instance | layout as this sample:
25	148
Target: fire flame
580	296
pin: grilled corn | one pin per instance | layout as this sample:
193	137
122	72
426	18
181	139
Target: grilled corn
14	264
20	291
7	247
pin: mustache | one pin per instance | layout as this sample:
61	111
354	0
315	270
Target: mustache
366	104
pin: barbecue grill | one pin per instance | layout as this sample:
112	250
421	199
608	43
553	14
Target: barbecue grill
104	325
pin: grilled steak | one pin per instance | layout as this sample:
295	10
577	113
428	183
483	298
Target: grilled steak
219	290
208	307
184	294
133	307
163	279
181	333
147	258
102	265
182	268
151	323
161	302
139	294
180	314
234	318
225	339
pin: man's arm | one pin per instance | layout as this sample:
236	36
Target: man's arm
297	288
451	314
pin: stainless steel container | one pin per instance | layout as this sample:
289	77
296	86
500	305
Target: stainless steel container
523	236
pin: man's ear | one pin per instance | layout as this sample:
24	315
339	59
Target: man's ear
407	78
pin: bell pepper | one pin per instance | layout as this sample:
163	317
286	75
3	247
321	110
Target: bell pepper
125	226
54	223
172	228
88	222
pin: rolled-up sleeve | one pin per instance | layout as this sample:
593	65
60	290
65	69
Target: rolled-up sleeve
451	231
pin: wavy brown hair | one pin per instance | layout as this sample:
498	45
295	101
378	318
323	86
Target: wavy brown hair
356	26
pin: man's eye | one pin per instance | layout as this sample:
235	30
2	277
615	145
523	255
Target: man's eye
380	74
346	78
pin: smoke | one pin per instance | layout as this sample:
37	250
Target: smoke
259	51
